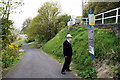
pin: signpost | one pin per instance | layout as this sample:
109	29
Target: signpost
91	20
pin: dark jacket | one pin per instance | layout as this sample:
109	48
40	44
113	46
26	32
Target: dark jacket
67	49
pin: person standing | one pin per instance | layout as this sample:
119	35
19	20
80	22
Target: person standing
67	51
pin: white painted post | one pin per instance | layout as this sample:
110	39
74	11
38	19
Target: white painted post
102	18
95	18
117	15
86	21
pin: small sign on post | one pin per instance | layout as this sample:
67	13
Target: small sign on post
91	19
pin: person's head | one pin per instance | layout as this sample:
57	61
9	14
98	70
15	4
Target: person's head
69	37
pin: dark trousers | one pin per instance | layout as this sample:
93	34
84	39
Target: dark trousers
67	62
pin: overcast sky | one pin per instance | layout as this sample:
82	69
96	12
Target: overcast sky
30	8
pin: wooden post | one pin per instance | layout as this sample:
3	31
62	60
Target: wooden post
102	18
117	15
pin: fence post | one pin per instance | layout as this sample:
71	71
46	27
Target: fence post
86	21
102	18
117	15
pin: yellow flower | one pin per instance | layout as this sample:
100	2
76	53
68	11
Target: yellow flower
14	44
11	46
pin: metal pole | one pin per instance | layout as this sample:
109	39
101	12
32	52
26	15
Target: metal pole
91	19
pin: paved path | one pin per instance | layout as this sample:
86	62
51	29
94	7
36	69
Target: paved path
35	64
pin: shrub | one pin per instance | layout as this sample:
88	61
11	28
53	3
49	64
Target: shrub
9	55
20	43
90	72
116	72
36	44
29	40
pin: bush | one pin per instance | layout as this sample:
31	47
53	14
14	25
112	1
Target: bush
20	43
9	55
0	70
116	72
19	38
36	44
29	40
90	72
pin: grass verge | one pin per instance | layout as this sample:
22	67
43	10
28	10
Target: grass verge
105	44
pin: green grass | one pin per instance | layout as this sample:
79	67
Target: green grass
105	44
0	68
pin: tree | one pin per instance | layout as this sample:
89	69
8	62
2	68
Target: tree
25	25
47	23
49	12
7	7
64	18
99	7
62	21
43	25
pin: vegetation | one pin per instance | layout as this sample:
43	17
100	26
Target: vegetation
10	50
107	46
0	67
47	23
29	40
116	72
9	55
25	25
20	43
6	32
7	8
43	26
99	7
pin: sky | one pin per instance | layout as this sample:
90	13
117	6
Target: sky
30	8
